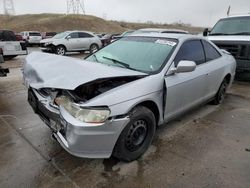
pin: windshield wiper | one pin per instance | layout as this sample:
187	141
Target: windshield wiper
241	33
214	34
118	62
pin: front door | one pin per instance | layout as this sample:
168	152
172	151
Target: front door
185	90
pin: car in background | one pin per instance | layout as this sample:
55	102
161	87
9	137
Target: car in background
3	71
233	35
31	37
19	37
71	41
124	34
47	35
107	39
10	46
160	30
112	102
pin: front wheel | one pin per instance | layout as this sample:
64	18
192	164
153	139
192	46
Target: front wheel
93	48
137	136
60	50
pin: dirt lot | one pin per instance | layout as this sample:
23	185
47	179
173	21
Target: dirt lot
209	147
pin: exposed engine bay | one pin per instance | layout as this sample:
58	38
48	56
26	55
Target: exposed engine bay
92	89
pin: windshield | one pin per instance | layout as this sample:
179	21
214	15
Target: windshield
61	35
232	26
36	34
144	54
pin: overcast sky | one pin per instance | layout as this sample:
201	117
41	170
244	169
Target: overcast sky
195	12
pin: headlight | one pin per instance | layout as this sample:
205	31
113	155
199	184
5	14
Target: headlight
47	43
88	115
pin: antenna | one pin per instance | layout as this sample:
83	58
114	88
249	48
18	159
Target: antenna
8	6
75	7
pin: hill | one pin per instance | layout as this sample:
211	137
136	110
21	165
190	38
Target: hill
62	22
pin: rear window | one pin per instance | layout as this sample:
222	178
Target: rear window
34	34
7	36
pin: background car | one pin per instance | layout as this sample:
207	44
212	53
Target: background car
112	103
3	71
124	34
106	39
31	37
160	30
71	41
10	46
46	35
19	37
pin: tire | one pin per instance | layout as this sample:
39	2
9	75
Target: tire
60	50
137	136
93	48
9	57
220	96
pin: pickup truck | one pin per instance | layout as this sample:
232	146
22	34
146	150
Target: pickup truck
10	46
233	35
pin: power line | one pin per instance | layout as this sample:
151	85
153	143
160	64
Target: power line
8	6
75	7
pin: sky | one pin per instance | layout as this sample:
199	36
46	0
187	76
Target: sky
196	12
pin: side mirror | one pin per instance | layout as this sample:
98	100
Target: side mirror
206	32
68	37
183	66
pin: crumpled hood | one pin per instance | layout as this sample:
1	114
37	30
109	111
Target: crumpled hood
43	70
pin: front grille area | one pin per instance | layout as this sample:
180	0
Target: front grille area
239	51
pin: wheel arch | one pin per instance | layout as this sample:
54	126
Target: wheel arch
228	78
151	105
61	45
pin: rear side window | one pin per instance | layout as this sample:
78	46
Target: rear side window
35	34
191	51
7	36
84	35
210	52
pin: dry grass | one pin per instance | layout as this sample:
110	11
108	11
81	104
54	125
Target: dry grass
62	22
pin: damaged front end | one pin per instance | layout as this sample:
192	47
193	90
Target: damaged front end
82	131
59	100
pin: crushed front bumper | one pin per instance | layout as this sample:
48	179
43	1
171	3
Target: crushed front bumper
78	138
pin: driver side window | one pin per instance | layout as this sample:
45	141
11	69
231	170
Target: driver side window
74	35
191	51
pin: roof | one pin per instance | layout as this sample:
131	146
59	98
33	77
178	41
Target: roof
240	15
167	35
160	30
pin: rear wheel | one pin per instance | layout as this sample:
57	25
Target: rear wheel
93	48
9	57
136	136
220	96
60	50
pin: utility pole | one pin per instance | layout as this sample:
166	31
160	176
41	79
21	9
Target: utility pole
8	6
75	7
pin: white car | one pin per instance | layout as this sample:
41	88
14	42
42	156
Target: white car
160	30
31	37
10	46
71	41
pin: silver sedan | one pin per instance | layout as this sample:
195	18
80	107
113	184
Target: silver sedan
112	102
